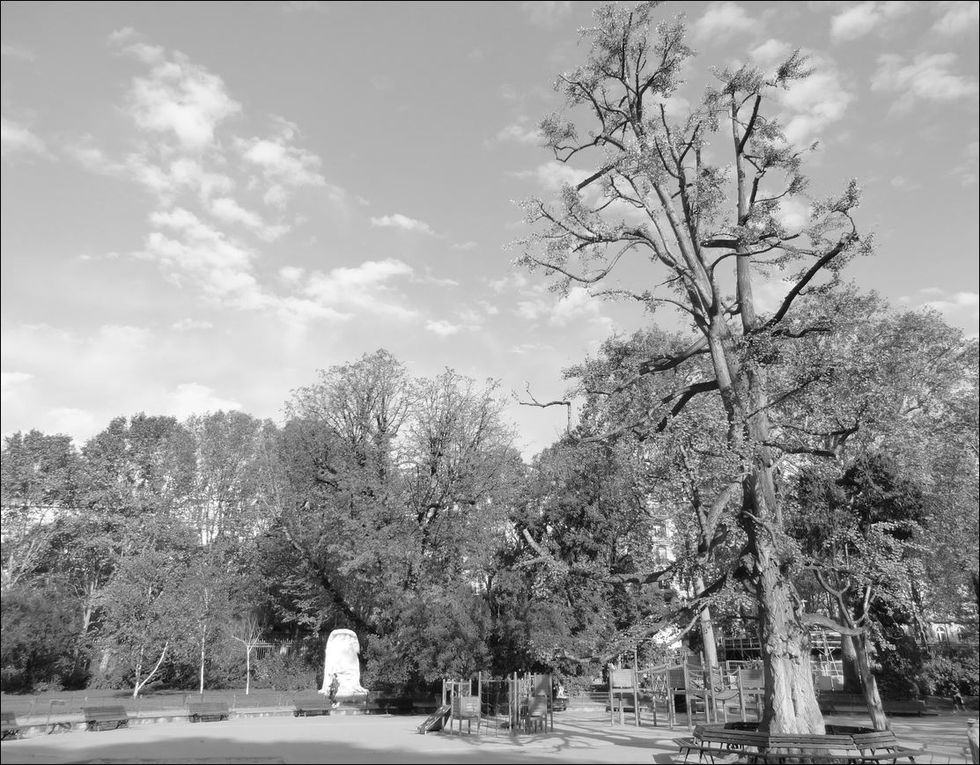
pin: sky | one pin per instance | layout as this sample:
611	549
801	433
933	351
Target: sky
205	203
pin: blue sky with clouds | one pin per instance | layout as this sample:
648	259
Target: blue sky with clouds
204	203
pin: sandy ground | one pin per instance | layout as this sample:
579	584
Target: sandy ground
578	737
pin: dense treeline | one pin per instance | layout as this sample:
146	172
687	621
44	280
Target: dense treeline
160	553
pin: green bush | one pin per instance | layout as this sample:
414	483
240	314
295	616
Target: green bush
945	675
284	673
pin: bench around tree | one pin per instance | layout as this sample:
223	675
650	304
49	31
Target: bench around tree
105	717
713	743
207	711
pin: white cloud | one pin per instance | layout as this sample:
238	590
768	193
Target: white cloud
519	133
553	175
291	274
17	52
403	222
70	420
290	164
189	325
858	20
771	52
366	287
723	20
18	139
194	398
578	304
285	166
960	309
793	213
464	246
212	262
229	211
177	96
956	300
102	363
11	384
441	327
814	103
545	13
957	18
927	77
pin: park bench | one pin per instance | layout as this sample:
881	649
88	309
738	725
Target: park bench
311	704
717	743
714	743
105	717
207	711
804	747
9	727
849	703
881	745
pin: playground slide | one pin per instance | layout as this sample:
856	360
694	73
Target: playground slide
436	720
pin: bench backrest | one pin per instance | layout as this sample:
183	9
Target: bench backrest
115	711
810	741
201	706
879	739
731	736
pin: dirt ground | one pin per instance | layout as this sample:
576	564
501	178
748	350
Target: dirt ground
578	737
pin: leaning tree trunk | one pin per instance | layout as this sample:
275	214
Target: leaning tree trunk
869	686
852	678
707	630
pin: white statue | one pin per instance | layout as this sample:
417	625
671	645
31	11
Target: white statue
340	659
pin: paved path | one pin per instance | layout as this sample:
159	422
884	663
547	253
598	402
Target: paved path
579	737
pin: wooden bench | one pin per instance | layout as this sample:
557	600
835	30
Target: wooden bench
803	747
716	743
9	727
881	745
105	717
311	704
850	703
207	711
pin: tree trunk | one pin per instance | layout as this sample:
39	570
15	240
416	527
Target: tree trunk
248	668
707	630
790	699
852	678
201	688
869	686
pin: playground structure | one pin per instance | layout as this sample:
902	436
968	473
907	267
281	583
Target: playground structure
708	692
521	703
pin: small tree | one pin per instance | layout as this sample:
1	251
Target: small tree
247	630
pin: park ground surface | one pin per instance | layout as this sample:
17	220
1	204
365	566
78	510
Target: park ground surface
578	737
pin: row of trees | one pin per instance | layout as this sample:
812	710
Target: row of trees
162	553
374	507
